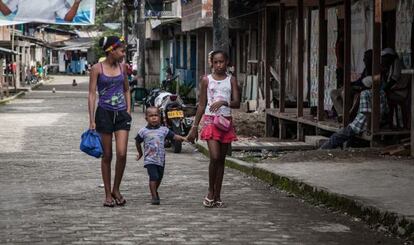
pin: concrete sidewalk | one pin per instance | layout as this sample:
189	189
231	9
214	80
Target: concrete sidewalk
381	192
24	90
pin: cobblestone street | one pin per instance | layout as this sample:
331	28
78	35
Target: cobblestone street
51	194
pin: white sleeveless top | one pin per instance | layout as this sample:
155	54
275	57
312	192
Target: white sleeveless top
218	91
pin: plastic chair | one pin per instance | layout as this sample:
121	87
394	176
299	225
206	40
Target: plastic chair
138	96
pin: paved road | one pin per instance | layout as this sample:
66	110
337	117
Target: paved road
50	190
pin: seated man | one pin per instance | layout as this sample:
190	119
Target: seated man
394	85
361	121
390	68
337	95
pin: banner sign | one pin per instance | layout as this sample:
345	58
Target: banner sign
64	12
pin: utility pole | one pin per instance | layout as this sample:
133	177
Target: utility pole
13	61
123	19
140	31
125	26
221	25
221	39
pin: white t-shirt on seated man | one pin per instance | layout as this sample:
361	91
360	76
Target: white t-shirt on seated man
40	9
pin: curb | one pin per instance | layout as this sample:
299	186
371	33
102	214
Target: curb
22	93
8	99
394	223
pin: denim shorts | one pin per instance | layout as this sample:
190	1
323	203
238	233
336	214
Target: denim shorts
155	172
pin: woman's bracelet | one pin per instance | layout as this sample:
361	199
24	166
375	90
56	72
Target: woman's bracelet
194	126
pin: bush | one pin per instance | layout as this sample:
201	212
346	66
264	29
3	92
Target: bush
183	89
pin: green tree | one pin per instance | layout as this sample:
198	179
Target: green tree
107	11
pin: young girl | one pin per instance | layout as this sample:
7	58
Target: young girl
113	113
218	93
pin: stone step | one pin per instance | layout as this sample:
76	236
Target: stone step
315	140
271	146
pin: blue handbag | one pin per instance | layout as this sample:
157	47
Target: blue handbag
91	143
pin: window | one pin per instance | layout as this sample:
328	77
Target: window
168	6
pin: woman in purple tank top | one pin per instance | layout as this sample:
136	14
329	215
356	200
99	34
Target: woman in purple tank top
113	116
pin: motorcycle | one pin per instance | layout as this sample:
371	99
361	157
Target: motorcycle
31	78
150	98
168	84
173	116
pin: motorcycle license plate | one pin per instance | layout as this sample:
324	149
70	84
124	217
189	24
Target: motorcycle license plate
175	114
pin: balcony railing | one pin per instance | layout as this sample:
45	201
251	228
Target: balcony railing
172	10
161	14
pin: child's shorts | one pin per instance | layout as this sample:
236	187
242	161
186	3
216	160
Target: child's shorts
110	121
155	172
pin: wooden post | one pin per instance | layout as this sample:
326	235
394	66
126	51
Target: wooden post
249	50
188	61
221	25
13	60
300	132
308	58
322	60
412	114
125	23
238	37
269	126
140	30
201	60
1	80
282	58
207	68
261	44
347	63
282	129
266	59
3	77
376	59
300	44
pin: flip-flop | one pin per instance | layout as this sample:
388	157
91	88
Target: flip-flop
155	201
219	204
110	204
119	201
208	203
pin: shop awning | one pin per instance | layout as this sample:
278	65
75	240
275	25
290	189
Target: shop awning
8	51
82	44
156	23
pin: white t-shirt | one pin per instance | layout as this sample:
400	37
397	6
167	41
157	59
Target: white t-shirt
39	9
218	91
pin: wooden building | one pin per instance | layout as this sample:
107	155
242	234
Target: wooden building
300	58
197	25
285	55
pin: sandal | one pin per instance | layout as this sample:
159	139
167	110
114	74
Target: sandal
119	201
219	204
155	201
208	203
108	204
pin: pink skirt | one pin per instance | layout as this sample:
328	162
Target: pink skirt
210	132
